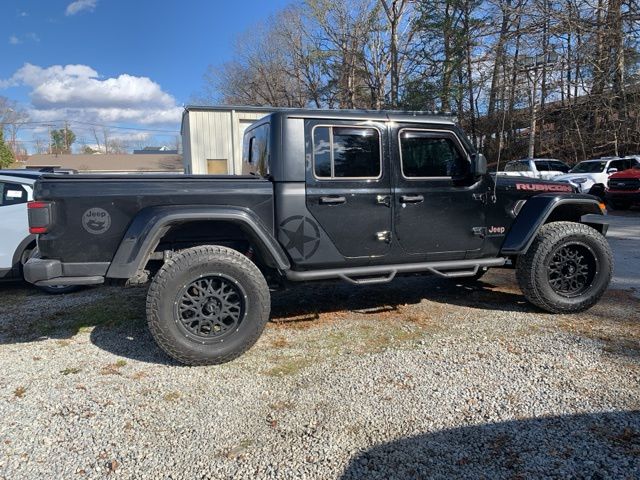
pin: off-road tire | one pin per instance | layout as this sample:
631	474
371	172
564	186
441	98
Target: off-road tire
188	266
532	269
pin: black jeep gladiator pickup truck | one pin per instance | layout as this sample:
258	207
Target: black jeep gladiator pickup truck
354	195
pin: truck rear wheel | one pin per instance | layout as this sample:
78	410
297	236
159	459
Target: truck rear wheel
566	269
207	305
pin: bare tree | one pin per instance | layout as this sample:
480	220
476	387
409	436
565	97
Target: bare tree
581	98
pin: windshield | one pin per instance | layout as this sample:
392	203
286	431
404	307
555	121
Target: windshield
518	166
589	167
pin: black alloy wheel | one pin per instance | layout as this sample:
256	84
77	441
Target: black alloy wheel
572	269
211	307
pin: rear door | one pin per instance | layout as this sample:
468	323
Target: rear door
439	208
348	185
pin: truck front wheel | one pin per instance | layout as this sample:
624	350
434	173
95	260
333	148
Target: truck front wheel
566	269
207	305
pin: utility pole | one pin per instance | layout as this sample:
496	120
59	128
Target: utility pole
66	136
534	113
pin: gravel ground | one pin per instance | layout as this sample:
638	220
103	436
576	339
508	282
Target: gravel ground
423	378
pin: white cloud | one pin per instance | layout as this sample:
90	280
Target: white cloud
78	92
31	36
80	6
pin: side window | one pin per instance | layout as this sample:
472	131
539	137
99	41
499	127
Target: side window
517	167
558	167
542	166
251	159
12	194
346	152
621	164
256	150
425	154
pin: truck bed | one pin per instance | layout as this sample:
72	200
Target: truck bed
91	213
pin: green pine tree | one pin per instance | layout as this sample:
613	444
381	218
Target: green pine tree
6	155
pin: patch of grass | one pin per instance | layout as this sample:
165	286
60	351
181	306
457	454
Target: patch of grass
111	314
113	368
70	371
279	342
19	392
107	312
288	366
240	450
376	340
171	396
368	338
11	299
281	405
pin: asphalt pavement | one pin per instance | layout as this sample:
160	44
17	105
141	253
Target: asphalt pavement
624	237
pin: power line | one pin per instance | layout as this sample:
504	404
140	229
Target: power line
102	125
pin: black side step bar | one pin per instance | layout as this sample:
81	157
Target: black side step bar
385	273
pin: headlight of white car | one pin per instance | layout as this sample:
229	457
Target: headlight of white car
579	179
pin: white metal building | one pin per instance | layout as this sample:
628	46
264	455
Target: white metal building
212	137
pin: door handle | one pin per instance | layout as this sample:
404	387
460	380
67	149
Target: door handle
332	200
411	198
383	200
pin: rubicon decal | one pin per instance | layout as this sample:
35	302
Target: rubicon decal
543	187
96	221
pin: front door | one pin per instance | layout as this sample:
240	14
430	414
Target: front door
348	185
439	207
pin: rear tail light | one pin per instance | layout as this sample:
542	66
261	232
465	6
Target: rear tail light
39	217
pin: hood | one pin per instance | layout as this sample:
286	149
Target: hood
572	176
631	173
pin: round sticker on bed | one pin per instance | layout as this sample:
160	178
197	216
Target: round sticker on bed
96	220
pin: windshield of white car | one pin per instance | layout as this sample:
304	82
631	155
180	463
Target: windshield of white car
517	166
589	167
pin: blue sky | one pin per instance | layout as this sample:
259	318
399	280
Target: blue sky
117	62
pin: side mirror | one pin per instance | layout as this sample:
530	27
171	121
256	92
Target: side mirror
480	167
612	170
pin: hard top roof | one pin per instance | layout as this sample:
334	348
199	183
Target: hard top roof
379	115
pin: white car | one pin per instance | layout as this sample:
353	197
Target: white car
542	168
591	176
16	243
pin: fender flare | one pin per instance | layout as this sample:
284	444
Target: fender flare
538	209
152	223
